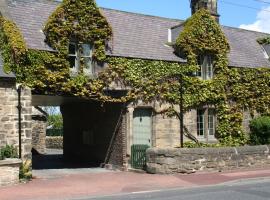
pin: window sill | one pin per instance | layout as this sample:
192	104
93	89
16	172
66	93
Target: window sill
209	139
74	72
88	72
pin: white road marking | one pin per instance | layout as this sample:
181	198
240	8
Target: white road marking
147	191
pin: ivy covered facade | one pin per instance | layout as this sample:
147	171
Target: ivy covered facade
120	77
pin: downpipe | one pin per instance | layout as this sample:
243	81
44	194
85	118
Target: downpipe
19	107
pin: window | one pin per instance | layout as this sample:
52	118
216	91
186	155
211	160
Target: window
200	123
206	67
80	55
206	123
211	122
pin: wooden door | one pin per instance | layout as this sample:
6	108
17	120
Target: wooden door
142	126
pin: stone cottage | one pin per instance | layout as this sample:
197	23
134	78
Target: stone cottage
105	132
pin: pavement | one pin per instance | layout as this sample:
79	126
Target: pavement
80	184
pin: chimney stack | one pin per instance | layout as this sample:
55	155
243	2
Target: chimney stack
210	5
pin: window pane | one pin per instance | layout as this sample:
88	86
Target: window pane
72	49
200	63
209	67
199	72
86	50
211	122
205	66
200	123
87	63
72	61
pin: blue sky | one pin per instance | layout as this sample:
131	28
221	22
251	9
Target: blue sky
231	15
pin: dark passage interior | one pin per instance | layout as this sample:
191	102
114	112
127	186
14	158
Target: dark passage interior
92	135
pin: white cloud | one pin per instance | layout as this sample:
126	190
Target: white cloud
262	23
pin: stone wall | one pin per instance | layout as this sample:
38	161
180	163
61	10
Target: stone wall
9	131
165	129
176	160
55	142
9	171
39	126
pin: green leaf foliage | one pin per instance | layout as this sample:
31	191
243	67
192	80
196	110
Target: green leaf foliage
56	121
80	21
260	130
8	151
25	173
265	40
12	45
202	34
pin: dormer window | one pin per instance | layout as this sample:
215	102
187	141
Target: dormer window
80	57
206	67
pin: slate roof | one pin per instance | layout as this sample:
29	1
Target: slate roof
135	35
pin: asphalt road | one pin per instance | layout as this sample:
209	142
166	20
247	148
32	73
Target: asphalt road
241	190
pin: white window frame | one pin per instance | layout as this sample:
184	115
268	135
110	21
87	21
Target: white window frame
78	55
211	122
206	123
200	123
206	70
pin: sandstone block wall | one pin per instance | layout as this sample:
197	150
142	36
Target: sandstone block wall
165	129
39	126
54	142
9	172
176	160
9	131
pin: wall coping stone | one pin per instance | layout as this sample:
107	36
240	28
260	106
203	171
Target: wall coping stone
205	150
10	161
252	149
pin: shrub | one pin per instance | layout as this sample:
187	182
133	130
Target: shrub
55	121
260	130
8	152
191	144
25	170
1	155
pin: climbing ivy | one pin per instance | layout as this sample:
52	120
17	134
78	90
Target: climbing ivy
12	45
230	91
80	22
41	70
202	35
265	40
